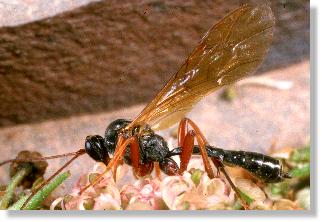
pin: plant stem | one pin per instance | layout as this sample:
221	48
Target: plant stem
14	182
41	195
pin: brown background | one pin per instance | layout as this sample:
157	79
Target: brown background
112	54
68	76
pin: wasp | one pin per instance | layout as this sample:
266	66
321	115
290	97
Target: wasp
231	50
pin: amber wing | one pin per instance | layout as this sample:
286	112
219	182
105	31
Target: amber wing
232	49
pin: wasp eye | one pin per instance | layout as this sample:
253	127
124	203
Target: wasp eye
87	145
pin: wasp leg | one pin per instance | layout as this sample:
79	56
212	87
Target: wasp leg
144	169
135	156
40	186
182	131
157	170
201	140
120	162
187	149
119	153
139	169
217	162
220	166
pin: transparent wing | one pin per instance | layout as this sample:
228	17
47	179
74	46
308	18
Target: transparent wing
230	50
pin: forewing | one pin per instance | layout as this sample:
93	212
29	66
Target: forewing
229	51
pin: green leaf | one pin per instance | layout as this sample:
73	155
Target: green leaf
14	182
301	171
301	155
237	206
280	188
19	203
41	195
196	176
245	197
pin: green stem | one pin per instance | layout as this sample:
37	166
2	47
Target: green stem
41	195
15	181
19	203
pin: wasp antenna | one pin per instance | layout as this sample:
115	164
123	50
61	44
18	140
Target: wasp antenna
41	158
76	155
286	175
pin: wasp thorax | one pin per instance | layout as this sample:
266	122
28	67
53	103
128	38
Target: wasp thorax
111	133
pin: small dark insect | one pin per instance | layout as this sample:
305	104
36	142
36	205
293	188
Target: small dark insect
230	50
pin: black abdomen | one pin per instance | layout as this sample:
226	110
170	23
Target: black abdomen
264	167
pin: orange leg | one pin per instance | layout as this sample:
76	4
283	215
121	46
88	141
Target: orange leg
220	167
217	164
119	153
187	149
144	169
157	170
186	141
120	162
201	140
182	131
135	155
139	169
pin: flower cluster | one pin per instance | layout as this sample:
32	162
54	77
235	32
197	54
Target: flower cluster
191	191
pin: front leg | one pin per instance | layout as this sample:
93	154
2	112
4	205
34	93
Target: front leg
121	146
139	169
143	169
157	170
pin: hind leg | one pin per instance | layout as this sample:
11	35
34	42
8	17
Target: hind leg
186	141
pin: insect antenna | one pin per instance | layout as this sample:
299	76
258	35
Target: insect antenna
38	159
40	186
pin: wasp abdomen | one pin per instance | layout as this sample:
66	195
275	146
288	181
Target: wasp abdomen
266	168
